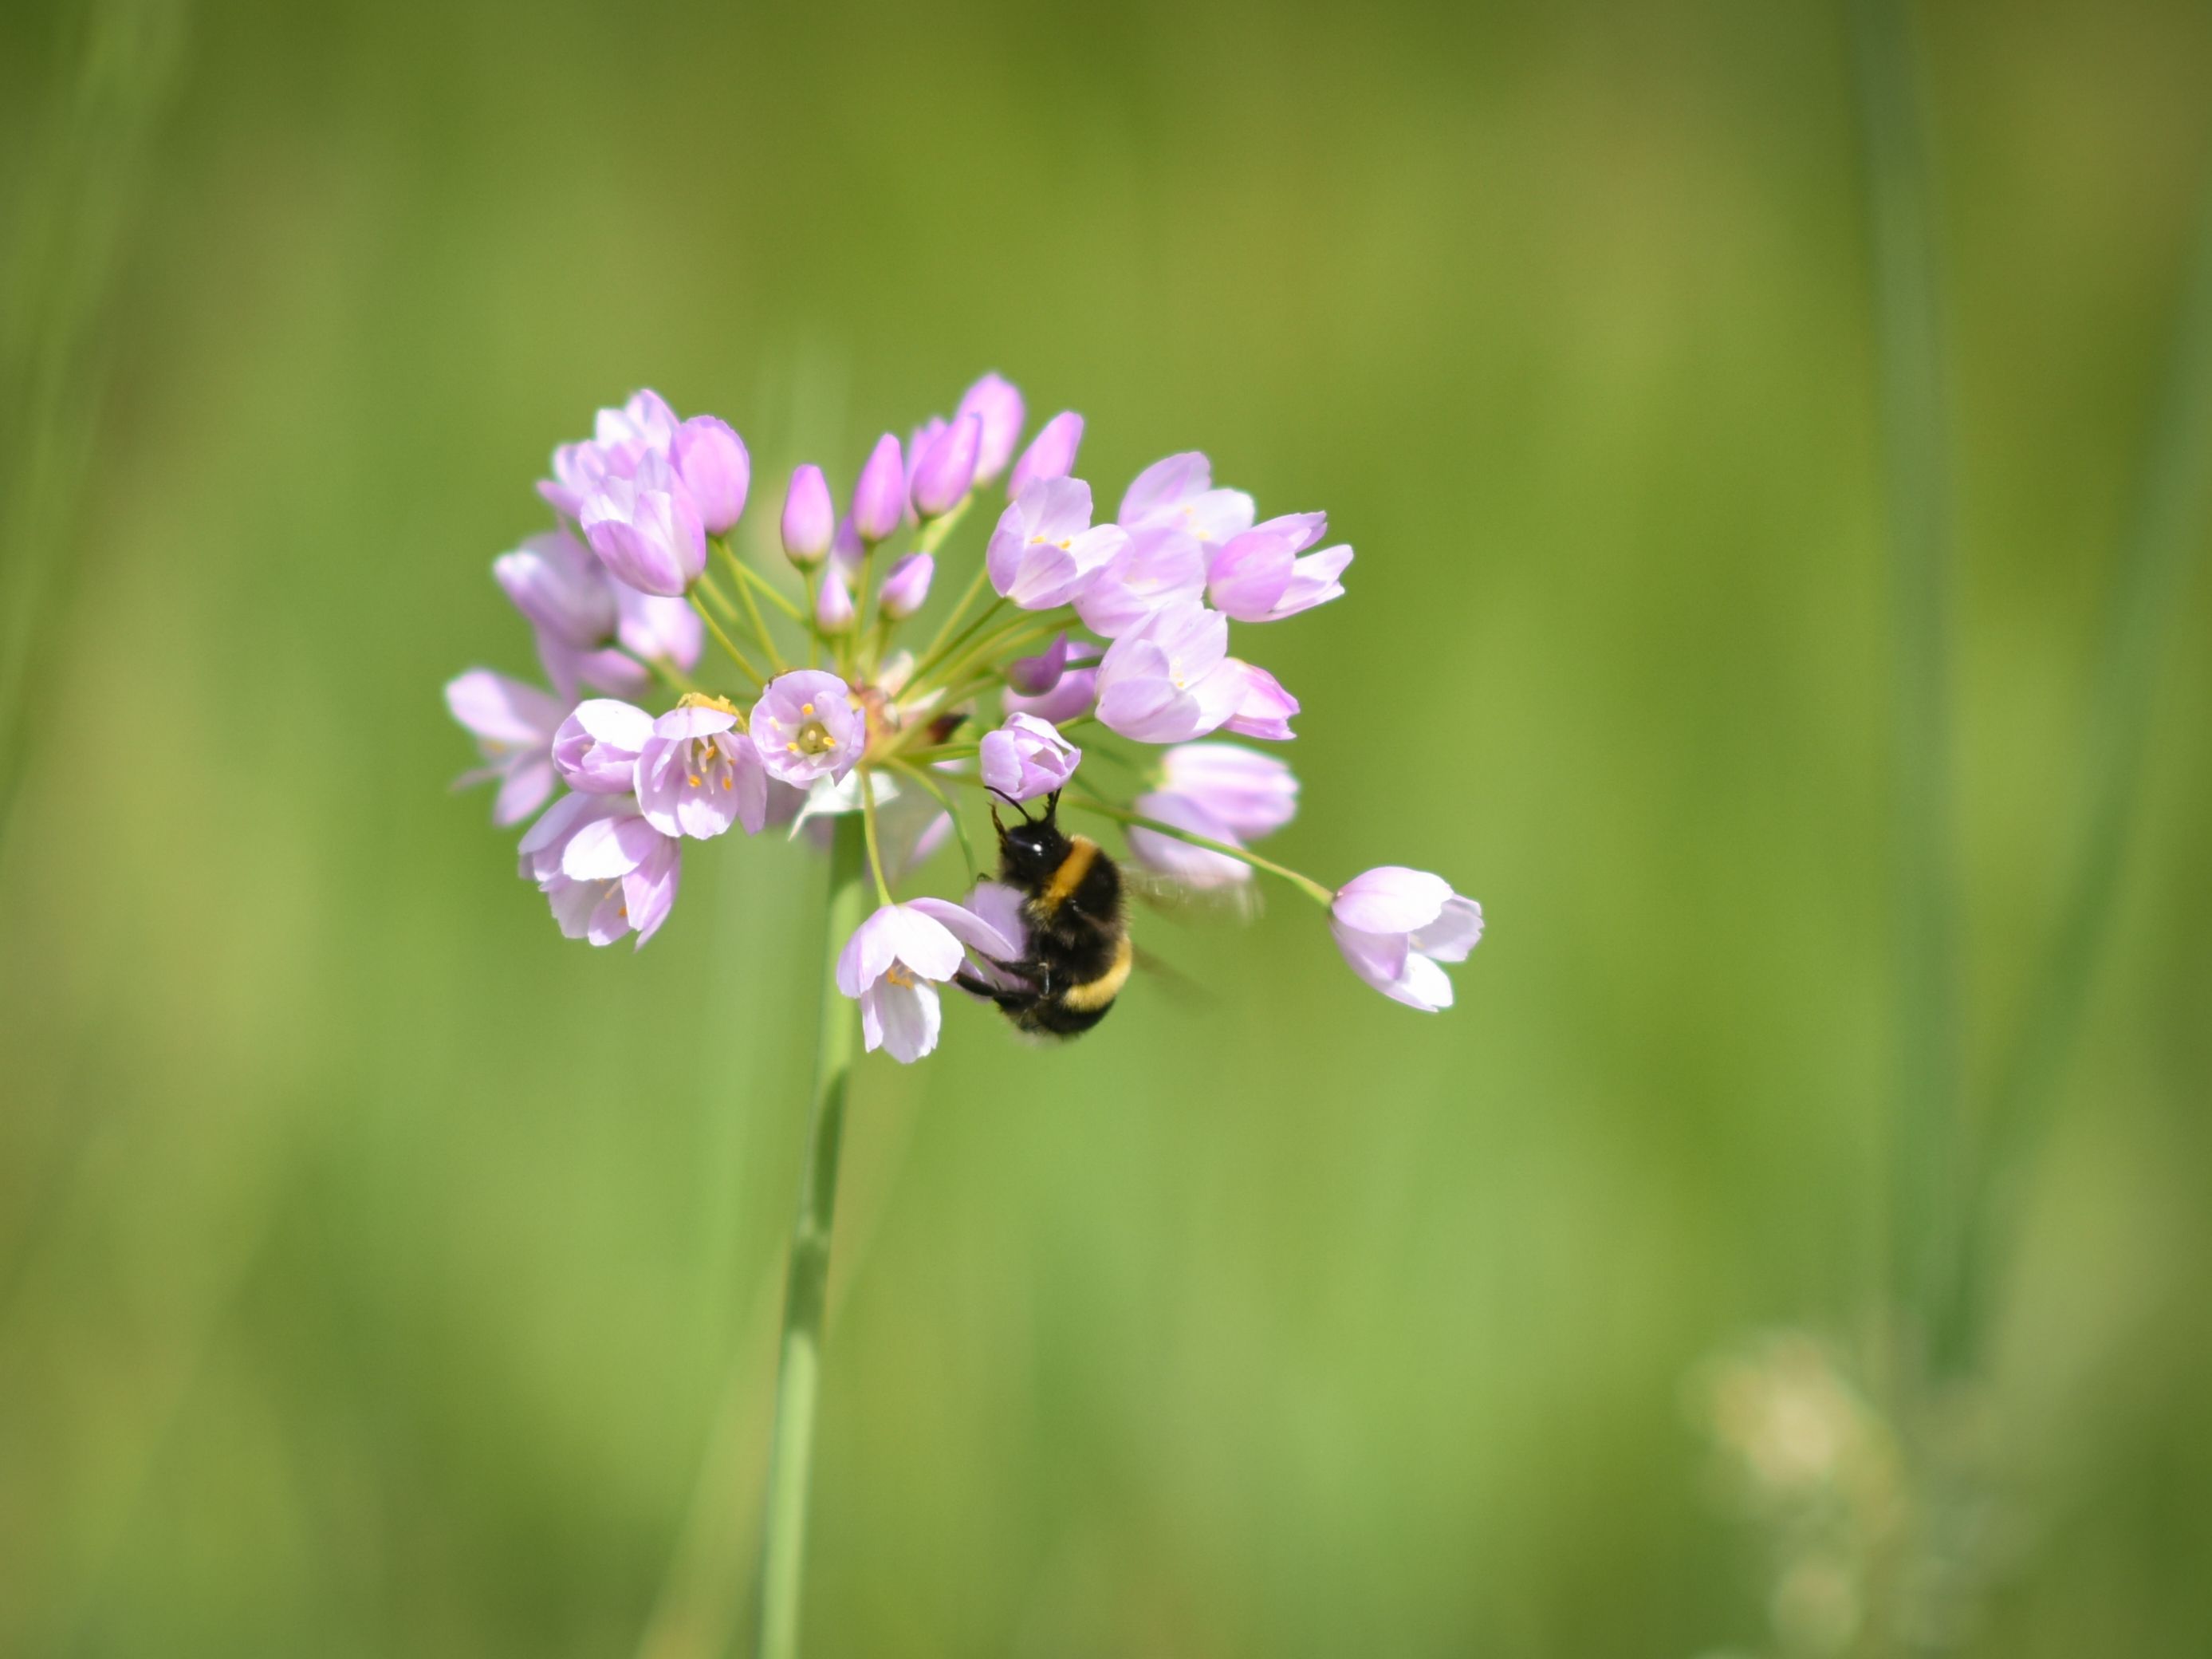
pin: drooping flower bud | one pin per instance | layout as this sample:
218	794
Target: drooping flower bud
596	749
906	586
994	401
1031	675
1394	926
943	472
711	459
879	498
810	517
1051	453
1027	757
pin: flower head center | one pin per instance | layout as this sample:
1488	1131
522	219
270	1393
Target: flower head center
814	739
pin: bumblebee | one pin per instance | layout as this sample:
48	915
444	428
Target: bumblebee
1078	954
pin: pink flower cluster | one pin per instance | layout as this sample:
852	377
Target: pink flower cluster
1121	627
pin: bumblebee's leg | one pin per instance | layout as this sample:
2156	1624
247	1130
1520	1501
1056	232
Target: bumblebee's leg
1014	1000
1039	974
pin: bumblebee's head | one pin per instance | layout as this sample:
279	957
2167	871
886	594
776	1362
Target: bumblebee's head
1032	850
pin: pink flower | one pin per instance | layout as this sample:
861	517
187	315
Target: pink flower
1070	698
998	405
808	725
1031	675
656	627
1047	686
1263	708
1170	678
944	471
1250	793
833	602
1001	908
1219	791
880	497
619	437
1257	576
645	527
1394	926
810	517
554	581
514	725
697	774
605	870
906	586
1051	453
1045	550
1178	493
646	422
895	962
1192	866
712	461
1027	757
572	605
596	749
1160	566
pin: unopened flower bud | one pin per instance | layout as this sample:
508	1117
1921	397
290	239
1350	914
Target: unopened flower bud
943	472
712	461
1027	757
906	586
810	517
879	498
995	403
1031	676
833	604
1051	453
845	550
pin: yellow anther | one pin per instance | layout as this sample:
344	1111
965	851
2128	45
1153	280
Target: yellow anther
726	779
709	700
694	779
806	708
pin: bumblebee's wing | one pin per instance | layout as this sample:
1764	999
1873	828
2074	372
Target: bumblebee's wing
1231	901
1189	994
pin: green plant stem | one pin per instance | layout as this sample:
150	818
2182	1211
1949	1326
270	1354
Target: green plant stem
1925	1172
937	653
857	634
746	576
932	535
928	658
875	847
752	613
959	825
707	616
1030	631
799	1378
1313	890
2167	535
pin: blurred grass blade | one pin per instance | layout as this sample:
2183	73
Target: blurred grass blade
68	241
2167	535
1924	1139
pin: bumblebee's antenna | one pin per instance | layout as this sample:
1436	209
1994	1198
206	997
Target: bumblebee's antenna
1016	804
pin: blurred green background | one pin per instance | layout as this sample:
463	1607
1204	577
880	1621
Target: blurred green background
380	1273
